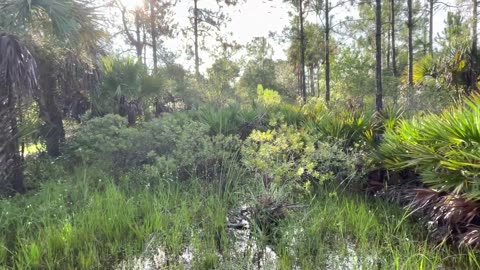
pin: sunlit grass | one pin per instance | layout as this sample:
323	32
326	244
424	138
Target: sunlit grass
87	221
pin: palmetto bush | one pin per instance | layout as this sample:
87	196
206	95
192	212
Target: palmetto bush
231	120
444	148
349	127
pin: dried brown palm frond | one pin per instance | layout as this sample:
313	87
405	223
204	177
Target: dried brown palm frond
451	216
17	72
17	66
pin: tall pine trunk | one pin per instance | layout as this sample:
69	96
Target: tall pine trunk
302	53
154	35
430	25
378	55
327	52
388	46
138	44
410	43
195	33
311	79
394	48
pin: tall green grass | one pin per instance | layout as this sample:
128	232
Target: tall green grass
86	223
344	231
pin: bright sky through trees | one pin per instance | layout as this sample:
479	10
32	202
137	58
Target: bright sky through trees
256	18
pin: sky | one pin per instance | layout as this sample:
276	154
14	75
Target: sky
254	18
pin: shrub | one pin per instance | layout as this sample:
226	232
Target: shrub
108	139
268	97
174	141
194	157
288	155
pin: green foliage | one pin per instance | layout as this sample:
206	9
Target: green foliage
193	155
84	221
260	68
343	231
442	148
108	140
232	119
268	97
349	127
289	156
122	77
221	76
173	147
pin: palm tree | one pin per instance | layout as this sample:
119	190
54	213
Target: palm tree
73	22
17	72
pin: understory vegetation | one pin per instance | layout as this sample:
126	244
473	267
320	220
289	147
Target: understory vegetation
175	182
143	134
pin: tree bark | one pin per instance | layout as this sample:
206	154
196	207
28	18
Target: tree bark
473	53
132	111
302	53
388	46
195	33
49	111
410	43
52	116
154	35
430	25
378	55
312	82
392	28
327	52
139	44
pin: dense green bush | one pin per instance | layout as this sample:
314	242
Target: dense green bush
288	155
444	148
173	147
268	97
109	140
194	157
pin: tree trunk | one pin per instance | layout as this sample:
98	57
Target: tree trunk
302	53
410	43
49	112
159	108
52	116
426	49
299	80
154	35
195	33
378	55
430	25
473	53
11	173
327	52
392	28
139	44
132	112
312	82
122	106
388	46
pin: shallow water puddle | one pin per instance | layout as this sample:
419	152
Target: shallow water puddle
244	252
